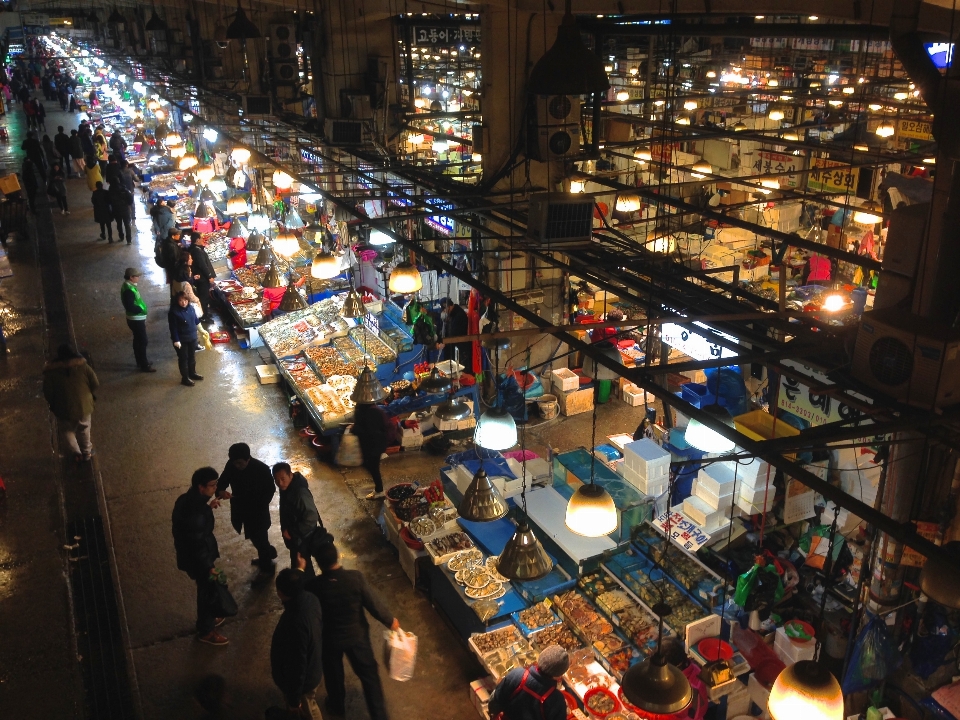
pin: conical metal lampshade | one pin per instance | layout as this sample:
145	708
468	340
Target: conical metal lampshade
254	241
436	384
292	220
264	254
523	557
353	306
496	343
325	265
368	389
292	299
314	232
272	278
657	687
155	23
236	230
452	410
405	279
496	430
202	211
482	502
116	18
569	67
940	578
241	28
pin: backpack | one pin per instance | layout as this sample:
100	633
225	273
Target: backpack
158	253
423	332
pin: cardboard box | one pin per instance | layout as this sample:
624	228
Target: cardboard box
564	380
268	374
9	184
576	402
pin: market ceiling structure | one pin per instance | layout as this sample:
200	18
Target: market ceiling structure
614	261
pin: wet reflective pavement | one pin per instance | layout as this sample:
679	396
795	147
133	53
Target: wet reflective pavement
150	433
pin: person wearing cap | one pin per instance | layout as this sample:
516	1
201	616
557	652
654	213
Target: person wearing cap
528	693
248	484
345	598
136	311
68	387
295	649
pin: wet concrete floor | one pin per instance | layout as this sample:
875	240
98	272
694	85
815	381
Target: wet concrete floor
150	434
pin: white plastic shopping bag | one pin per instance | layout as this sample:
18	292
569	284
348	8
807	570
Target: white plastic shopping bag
400	652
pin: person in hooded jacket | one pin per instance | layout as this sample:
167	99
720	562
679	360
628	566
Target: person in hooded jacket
92	169
68	387
299	519
295	649
121	203
183	323
163	219
248	484
102	211
197	549
117	144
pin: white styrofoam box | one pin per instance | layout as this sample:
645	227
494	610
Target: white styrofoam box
565	380
755	496
467	423
719	502
791	652
753	274
738	701
720	520
268	374
718	478
759	694
654	488
411	438
633	395
650	461
702	514
748	509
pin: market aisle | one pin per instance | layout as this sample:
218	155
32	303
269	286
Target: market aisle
150	433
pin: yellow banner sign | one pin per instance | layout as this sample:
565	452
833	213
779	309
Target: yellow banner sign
917	129
831	176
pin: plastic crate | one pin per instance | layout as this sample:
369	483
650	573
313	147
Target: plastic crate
554	583
697	394
761	425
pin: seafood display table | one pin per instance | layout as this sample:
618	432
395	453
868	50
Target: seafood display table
412	561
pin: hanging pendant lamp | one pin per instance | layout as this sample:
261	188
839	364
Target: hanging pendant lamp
523	557
657	687
940	577
254	241
204	173
241	28
258	221
220	34
353	306
496	430
93	17
116	18
325	265
172	138
482	502
436	384
292	299
870	213
155	23
237	206
405	279
314	232
264	256
272	278
368	390
569	67
292	220
160	134
452	410
286	244
805	691
202	211
707	439
236	230
188	161
591	512
207	196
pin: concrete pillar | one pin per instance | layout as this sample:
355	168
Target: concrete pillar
512	42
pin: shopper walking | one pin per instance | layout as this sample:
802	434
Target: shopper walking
50	153
92	170
345	598
31	182
197	549
136	310
299	519
532	692
61	142
121	204
57	188
370	427
34	150
102	212
167	255
76	152
295	650
183	323
247	483
68	387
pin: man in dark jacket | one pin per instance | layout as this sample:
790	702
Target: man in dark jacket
295	651
197	549
103	212
183	322
33	149
455	324
204	268
370	427
62	143
528	693
299	519
121	203
344	595
252	490
136	311
68	387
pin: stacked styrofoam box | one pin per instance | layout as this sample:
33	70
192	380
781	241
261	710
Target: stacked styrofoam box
791	652
754	496
646	466
711	504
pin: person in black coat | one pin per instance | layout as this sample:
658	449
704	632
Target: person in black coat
455	324
121	202
31	181
197	549
344	596
34	150
62	143
204	268
370	427
295	650
299	519
102	212
183	322
252	490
